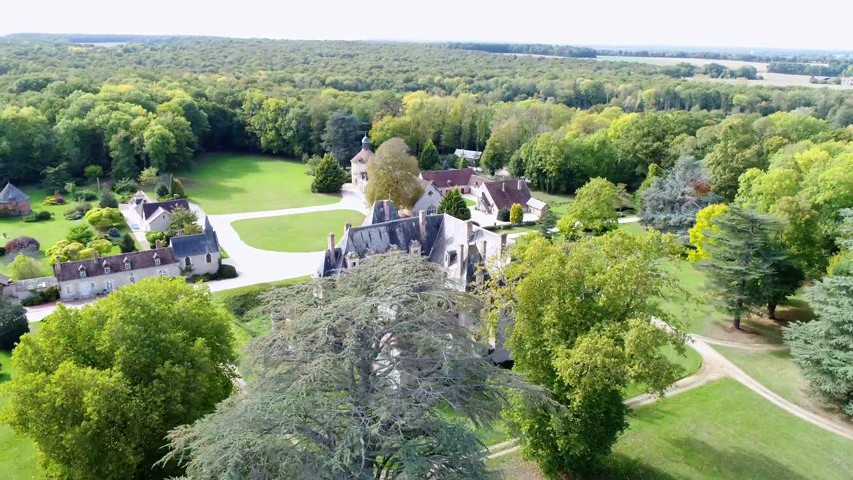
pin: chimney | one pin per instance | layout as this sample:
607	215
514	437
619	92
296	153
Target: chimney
56	266
503	242
422	223
158	243
483	251
520	184
469	230
332	247
503	186
463	262
387	206
347	226
176	196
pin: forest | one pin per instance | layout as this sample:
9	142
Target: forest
132	105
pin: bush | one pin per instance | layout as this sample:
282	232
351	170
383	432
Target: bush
50	294
13	324
24	267
85	195
77	211
55	199
113	232
103	247
329	177
516	213
226	271
23	244
92	172
161	190
80	234
39	216
503	215
104	218
125	185
2	251
152	238
108	200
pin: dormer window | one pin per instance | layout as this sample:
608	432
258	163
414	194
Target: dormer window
156	260
106	268
126	264
82	271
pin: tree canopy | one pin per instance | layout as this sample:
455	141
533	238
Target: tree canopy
393	174
593	210
454	205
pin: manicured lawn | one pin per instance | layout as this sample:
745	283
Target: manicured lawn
231	183
17	453
306	232
722	430
469	202
633	227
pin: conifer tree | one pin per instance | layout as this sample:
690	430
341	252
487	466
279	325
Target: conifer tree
454	205
329	176
428	159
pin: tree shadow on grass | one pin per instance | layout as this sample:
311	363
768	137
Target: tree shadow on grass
731	463
619	466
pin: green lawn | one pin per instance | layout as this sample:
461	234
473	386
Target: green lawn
231	183
633	227
558	203
306	232
17	453
721	430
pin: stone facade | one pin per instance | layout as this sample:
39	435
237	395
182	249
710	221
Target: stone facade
99	276
358	165
13	201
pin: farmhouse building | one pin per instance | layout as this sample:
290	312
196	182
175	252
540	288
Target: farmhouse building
155	216
198	254
496	196
358	165
13	201
462	178
458	246
429	200
470	156
101	275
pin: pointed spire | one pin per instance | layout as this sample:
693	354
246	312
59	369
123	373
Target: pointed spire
365	143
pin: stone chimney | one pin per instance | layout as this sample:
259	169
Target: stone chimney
332	247
422	223
520	184
386	204
462	260
503	242
483	250
469	230
176	197
56	266
158	243
347	226
503	186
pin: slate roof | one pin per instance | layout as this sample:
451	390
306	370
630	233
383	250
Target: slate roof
365	154
377	212
456	177
95	266
507	192
11	193
148	209
198	244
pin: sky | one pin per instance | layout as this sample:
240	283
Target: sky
816	24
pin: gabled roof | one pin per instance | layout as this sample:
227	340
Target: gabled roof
455	177
507	192
381	211
96	266
11	193
198	244
149	209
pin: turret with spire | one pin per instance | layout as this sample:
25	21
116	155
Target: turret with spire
365	143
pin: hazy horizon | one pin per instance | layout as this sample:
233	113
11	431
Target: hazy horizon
725	24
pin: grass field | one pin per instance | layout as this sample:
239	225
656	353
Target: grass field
558	203
719	431
306	232
17	453
229	183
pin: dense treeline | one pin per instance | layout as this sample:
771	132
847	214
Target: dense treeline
834	68
768	56
713	70
159	103
527	48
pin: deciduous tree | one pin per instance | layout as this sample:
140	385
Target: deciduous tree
183	221
393	174
99	387
593	210
341	136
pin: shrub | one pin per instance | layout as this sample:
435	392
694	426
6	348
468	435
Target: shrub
13	324
329	177
108	200
84	195
24	267
516	214
52	200
177	188
503	215
22	244
161	190
50	294
152	238
113	232
127	243
39	216
103	247
226	271
77	211
125	185
80	233
104	217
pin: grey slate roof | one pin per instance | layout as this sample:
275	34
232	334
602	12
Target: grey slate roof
377	212
198	244
95	267
148	209
11	193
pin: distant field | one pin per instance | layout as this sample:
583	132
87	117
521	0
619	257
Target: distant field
770	79
228	183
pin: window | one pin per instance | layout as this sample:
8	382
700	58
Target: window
68	289
127	264
107	269
132	278
208	258
431	210
157	261
163	273
187	262
82	273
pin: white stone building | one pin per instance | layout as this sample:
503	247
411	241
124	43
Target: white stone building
198	254
358	165
100	276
